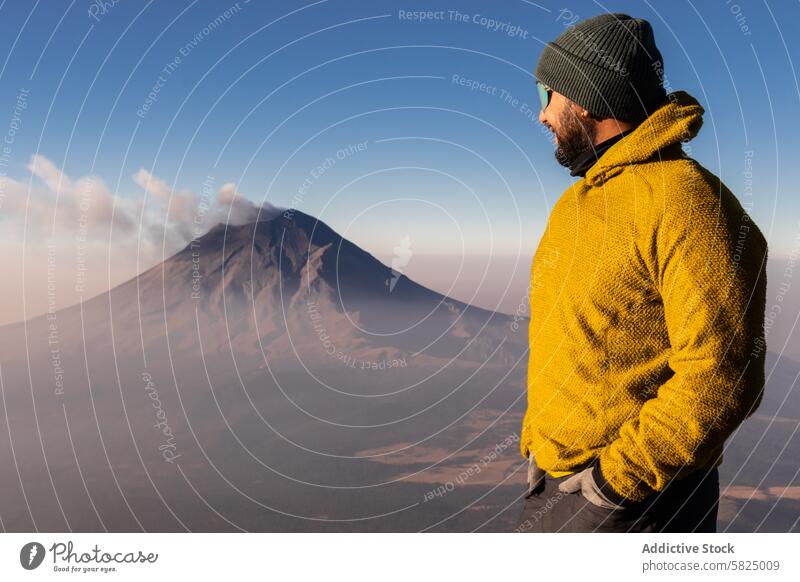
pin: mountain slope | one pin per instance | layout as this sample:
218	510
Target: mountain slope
287	291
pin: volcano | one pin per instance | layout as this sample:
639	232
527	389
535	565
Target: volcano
271	376
290	291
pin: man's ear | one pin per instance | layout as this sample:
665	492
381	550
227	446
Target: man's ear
578	111
584	114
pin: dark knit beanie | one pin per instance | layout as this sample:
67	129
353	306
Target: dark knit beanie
609	65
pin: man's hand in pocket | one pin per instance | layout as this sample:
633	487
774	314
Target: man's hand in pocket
585	483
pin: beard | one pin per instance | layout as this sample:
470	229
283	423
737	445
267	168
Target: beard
575	137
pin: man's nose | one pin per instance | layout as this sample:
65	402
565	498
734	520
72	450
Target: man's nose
542	118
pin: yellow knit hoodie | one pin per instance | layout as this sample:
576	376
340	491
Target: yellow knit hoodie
648	291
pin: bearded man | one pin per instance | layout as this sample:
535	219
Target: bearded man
648	294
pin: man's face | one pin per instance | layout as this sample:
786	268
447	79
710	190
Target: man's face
574	134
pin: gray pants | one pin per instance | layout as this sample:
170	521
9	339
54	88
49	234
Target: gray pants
685	505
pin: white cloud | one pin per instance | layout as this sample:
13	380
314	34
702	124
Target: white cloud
118	236
47	171
155	186
234	208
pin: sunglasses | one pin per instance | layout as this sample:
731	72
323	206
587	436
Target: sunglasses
545	93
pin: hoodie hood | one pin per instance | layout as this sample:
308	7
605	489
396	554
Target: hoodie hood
678	119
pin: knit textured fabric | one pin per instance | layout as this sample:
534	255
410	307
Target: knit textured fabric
608	64
648	292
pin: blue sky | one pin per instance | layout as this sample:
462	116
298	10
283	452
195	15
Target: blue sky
263	97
